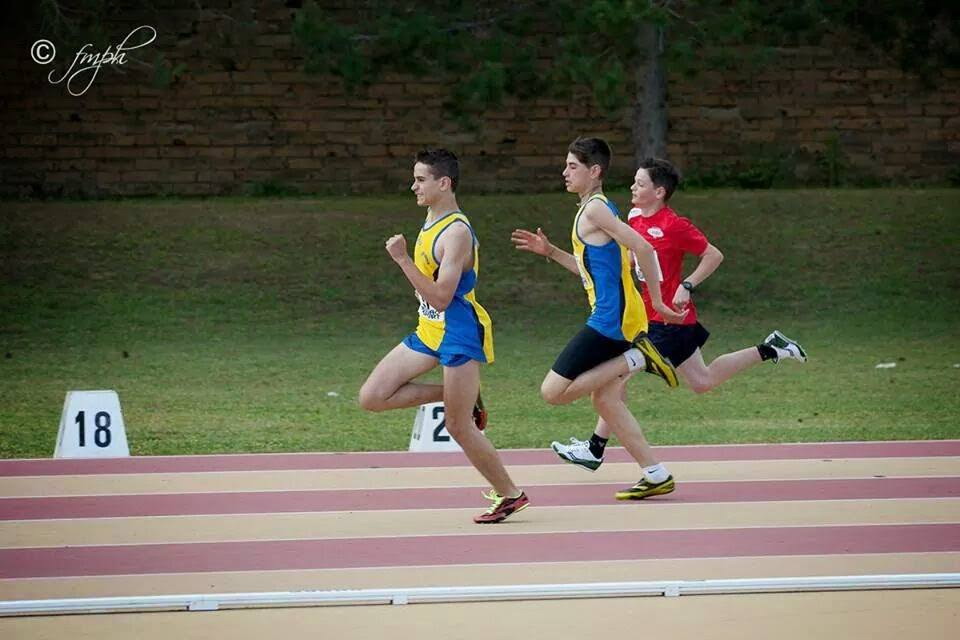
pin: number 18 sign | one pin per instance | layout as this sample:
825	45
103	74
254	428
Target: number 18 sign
91	426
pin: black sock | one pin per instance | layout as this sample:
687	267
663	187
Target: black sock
597	445
766	352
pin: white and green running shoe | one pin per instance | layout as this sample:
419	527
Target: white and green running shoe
577	453
785	347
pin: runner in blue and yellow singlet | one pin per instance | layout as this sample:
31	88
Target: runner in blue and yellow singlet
453	330
613	343
463	330
616	308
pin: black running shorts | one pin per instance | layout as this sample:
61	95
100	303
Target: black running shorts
585	351
677	341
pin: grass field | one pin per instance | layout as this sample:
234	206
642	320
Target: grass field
225	325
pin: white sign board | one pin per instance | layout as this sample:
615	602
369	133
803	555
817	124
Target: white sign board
91	426
430	430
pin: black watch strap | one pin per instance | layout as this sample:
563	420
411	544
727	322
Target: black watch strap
686	284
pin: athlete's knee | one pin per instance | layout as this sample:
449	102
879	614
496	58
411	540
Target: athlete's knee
701	385
370	398
553	395
604	399
458	428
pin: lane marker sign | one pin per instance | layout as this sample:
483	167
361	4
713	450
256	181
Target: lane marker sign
91	426
430	430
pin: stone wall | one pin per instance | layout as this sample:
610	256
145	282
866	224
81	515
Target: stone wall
244	118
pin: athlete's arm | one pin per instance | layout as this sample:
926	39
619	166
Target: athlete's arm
598	215
539	244
710	259
454	247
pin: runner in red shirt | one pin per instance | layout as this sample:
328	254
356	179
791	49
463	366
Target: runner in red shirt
673	236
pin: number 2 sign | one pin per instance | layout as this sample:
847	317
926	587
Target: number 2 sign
430	430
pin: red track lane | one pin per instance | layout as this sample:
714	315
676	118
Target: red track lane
461	497
474	549
402	459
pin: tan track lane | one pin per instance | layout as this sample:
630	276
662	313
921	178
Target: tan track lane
649	516
869	615
559	473
452	575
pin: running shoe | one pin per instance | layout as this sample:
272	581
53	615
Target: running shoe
785	347
577	453
502	508
479	414
656	363
645	489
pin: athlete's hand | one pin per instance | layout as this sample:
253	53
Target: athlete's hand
537	243
397	247
681	298
669	315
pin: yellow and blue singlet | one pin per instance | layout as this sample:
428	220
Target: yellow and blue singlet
464	327
616	306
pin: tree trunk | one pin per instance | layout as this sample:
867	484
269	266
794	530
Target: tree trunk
650	107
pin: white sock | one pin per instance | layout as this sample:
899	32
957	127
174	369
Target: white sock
656	473
635	359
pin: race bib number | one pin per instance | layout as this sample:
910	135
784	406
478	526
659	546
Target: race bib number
583	273
427	311
636	267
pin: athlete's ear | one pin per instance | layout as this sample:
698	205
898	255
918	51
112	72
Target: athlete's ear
445	183
595	171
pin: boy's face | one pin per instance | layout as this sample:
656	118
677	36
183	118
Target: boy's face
643	192
578	177
426	187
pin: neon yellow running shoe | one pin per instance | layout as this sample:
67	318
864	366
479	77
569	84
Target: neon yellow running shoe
656	363
645	489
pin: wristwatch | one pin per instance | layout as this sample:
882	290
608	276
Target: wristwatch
686	284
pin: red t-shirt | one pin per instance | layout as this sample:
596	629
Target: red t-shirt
671	236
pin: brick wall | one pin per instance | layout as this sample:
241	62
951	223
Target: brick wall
244	118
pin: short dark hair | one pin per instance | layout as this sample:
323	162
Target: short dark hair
662	174
591	151
442	163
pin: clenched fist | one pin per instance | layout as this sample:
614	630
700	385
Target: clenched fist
396	246
681	299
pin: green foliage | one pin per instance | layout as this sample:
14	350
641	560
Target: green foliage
499	49
487	52
492	50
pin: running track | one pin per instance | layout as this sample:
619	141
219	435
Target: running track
155	525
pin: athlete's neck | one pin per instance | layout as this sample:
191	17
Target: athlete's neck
590	192
442	208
